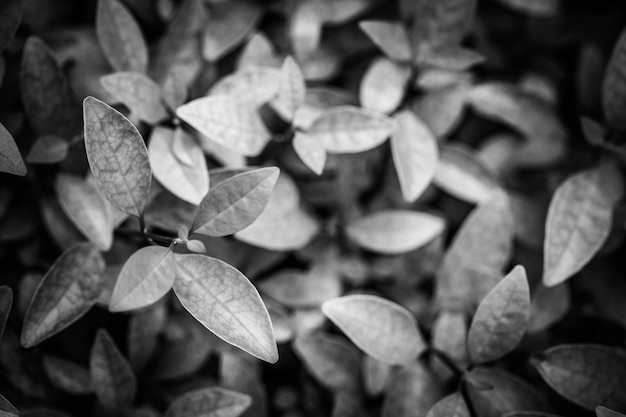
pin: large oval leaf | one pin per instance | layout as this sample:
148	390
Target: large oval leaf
235	203
225	302
209	402
146	277
68	290
117	156
501	318
10	158
383	329
87	209
395	231
138	92
587	375
579	221
112	377
614	87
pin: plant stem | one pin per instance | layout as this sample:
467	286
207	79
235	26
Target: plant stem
448	361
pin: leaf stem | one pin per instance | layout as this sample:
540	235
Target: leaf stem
448	361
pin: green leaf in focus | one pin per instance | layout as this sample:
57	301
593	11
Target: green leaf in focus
10	158
209	402
117	156
139	93
383	329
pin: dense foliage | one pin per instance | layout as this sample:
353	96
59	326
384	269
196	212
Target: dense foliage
312	207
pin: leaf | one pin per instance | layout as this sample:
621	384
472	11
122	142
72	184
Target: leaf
614	88
375	375
348	129
10	158
347	405
179	164
68	290
383	85
228	25
7	409
452	405
146	277
6	301
549	305
239	374
209	402
449	335
501	318
10	17
67	376
48	150
310	151
46	94
412	391
442	109
332	361
587	375
539	8
579	221
291	90
229	122
120	37
142	96
395	231
259	51
254	86
235	203
391	37
383	329
117	156
294	288
144	328
225	302
112	377
87	209
415	155
602	411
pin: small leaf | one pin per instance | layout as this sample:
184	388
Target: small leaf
586	375
67	376
383	85
120	37
239	374
144	328
179	164
225	302
87	209
383	329
303	289
7	409
112	377
375	375
347	129
6	300
331	360
10	17
229	122
602	411
412	391
117	156
452	405
291	90
68	290
613	87
310	151
10	158
139	93
415	155
501	318
395	231
146	277
254	86
449	335
209	402
235	203
391	37
258	52
579	221
195	246
442	109
48	150
549	305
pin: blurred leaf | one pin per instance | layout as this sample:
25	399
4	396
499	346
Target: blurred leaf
144	328
179	164
117	156
412	391
228	25
67	376
235	203
259	51
239	374
254	85
310	151
236	313
383	329
549	305
395	231
139	93
348	129
449	335
209	402
10	158
174	91
291	89
451	58
452	405
501	318
390	37
87	209
120	37
10	18
602	411
332	361
442	109
347	405
539	8
229	122
294	288
48	100
579	221
68	290
7	409
383	85
48	150
6	301
146	277
112	377
614	88
587	375
415	155
375	375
